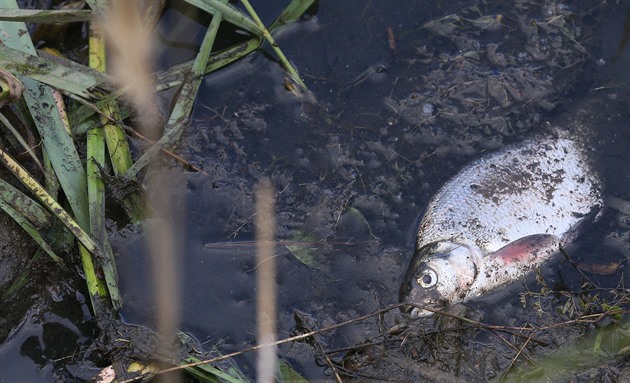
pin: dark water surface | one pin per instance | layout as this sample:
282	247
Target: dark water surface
353	172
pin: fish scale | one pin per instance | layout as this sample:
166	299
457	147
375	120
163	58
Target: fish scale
545	187
498	219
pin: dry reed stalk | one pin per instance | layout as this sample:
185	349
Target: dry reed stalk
266	282
132	62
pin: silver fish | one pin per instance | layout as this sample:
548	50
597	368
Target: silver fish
497	220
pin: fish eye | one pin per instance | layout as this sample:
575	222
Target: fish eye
427	279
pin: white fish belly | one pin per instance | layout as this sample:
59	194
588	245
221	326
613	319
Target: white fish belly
540	186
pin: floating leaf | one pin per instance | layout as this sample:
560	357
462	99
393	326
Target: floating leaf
288	374
304	248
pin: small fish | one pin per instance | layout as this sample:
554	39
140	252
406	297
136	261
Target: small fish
500	218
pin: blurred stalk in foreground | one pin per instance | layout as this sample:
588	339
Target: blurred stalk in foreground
266	282
132	63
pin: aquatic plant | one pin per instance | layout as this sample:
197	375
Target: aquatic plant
73	106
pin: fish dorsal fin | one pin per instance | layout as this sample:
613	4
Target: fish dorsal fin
534	248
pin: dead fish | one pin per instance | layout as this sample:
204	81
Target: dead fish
498	219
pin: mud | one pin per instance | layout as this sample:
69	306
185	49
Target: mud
16	249
353	172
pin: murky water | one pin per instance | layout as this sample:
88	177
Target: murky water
353	173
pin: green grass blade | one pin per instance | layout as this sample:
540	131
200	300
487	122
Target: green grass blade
59	147
26	207
291	14
82	118
96	187
51	182
208	373
87	245
28	228
27	180
288	374
99	7
7	124
229	13
169	137
96	198
15	34
116	140
285	62
21	280
574	357
96	287
114	134
120	155
47	16
175	75
185	101
62	74
56	141
203	56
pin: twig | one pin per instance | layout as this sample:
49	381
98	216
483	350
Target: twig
591	318
507	329
566	255
321	350
520	351
276	343
510	344
136	134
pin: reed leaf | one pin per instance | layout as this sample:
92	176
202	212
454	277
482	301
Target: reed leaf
27	180
114	134
27	208
48	16
208	373
86	246
30	230
177	74
55	140
186	99
96	187
291	14
7	124
285	62
59	147
82	118
65	75
229	13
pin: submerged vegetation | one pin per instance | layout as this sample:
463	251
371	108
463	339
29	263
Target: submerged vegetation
67	143
79	114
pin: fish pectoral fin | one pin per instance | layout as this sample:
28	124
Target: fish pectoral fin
532	248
